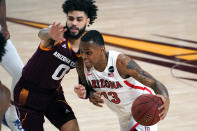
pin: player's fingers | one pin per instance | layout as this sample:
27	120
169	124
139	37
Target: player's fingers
83	92
161	107
100	101
65	29
63	39
162	116
81	87
98	98
97	94
60	27
93	100
58	24
82	96
162	97
62	30
97	104
53	23
77	89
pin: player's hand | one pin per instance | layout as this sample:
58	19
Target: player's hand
80	91
163	108
96	99
56	32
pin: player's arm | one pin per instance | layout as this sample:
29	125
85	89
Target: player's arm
51	35
82	79
4	100
83	90
3	19
127	67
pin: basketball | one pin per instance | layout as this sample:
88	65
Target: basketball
145	109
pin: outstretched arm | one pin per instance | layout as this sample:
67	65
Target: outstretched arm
3	19
127	67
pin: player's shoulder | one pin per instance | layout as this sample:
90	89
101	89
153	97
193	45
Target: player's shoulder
123	59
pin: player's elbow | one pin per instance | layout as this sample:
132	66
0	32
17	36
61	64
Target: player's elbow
43	34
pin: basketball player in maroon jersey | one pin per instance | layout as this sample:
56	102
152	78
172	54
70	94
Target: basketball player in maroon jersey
39	93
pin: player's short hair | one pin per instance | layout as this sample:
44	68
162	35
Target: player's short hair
87	6
94	36
2	45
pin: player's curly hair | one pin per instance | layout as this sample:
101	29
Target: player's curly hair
2	45
88	6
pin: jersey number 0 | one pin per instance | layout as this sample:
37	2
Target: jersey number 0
61	70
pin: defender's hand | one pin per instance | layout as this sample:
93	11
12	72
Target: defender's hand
56	32
80	91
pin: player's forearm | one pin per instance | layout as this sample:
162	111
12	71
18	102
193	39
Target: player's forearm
159	88
44	34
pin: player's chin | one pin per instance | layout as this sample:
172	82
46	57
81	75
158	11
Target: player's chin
88	64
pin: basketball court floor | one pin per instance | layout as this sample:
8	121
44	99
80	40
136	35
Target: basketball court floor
160	34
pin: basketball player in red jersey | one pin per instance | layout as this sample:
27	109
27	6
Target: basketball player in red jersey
39	93
118	79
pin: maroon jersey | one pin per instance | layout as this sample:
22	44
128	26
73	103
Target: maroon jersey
47	67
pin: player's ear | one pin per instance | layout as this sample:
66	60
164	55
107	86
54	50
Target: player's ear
88	21
103	49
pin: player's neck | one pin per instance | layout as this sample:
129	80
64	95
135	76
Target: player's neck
103	63
74	44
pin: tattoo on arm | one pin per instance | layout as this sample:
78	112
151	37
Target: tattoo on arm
146	79
140	74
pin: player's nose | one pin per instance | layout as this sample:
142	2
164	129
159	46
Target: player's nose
74	22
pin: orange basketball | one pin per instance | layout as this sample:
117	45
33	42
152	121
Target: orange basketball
145	109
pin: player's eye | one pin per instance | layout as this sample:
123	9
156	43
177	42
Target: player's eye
88	53
71	18
79	19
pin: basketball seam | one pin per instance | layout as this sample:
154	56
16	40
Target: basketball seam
144	113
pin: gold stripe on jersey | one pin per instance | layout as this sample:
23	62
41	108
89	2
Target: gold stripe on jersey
44	48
